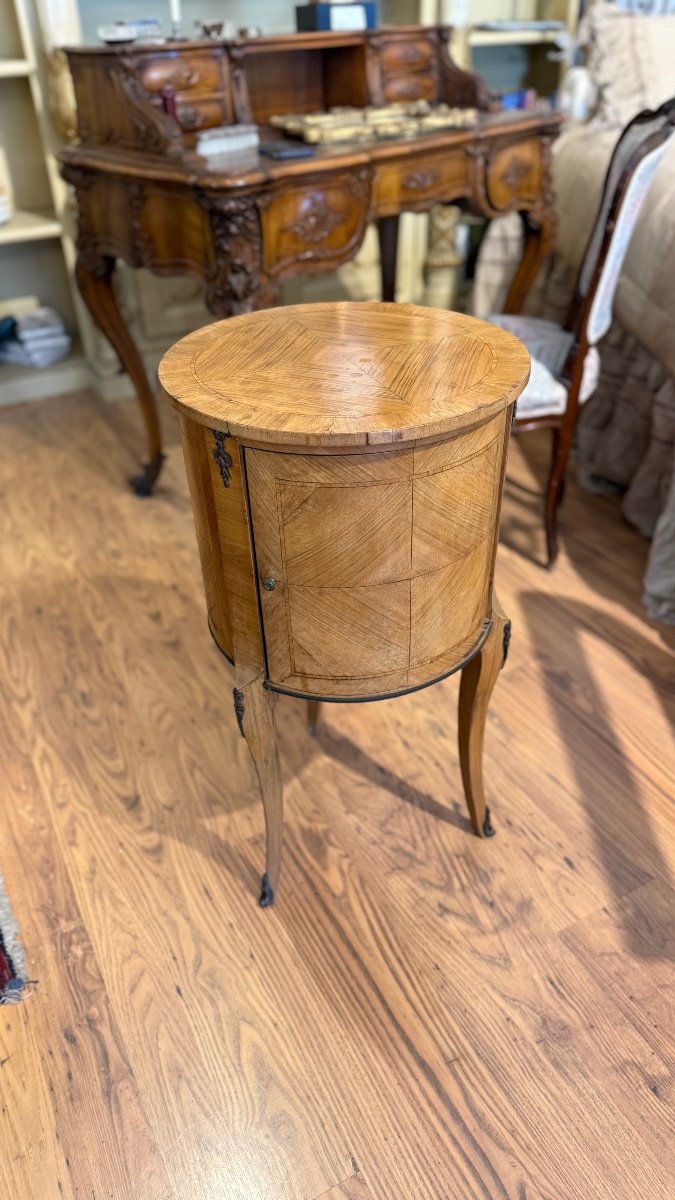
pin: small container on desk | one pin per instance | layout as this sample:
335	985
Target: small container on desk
340	18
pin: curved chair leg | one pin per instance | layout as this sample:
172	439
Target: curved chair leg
254	710
478	679
562	445
313	715
554	494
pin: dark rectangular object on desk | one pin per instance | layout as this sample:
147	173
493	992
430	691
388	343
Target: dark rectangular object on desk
310	17
286	150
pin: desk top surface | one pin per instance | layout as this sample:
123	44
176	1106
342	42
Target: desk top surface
345	374
256	170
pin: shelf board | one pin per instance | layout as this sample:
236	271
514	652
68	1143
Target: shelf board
69	374
29	227
512	37
14	68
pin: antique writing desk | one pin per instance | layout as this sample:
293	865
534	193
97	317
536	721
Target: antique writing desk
144	196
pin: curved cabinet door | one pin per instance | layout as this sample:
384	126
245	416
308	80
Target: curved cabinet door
374	569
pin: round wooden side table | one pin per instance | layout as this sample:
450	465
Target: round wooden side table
345	464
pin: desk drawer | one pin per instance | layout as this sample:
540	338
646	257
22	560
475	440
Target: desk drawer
514	173
194	73
193	115
400	56
416	183
422	86
320	223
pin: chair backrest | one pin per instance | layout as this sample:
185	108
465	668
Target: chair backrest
632	167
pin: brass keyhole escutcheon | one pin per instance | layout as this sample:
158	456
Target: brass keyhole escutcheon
269	584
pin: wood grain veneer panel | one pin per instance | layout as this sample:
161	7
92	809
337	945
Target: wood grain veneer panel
448	608
381	563
352	633
345	536
336	374
198	469
454	510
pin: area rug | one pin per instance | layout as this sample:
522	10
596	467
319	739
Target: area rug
12	972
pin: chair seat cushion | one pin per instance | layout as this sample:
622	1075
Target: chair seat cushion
548	345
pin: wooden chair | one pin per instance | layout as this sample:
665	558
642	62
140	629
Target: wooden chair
565	360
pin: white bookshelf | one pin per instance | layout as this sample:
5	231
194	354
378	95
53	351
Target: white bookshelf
14	68
29	227
35	254
510	58
512	37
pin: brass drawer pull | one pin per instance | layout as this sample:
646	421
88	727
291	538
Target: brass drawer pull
190	118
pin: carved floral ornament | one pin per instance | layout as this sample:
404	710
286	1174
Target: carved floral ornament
419	181
515	172
316	219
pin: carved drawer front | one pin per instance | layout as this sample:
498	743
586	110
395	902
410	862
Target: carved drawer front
398	57
318	222
193	115
514	173
419	183
194	73
374	569
410	87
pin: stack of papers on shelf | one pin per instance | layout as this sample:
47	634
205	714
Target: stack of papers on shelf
34	339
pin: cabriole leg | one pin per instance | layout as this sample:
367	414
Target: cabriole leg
94	279
478	679
253	706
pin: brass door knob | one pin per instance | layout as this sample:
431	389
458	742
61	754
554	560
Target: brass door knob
269	584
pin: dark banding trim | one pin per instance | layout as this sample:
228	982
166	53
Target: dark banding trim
218	645
475	649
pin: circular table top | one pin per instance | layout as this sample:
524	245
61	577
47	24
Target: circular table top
345	374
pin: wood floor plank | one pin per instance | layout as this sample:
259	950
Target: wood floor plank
509	1016
65	1067
353	1188
462	1018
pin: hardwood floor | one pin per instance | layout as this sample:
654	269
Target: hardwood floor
423	1016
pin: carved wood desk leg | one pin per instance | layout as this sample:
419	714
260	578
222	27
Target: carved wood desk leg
94	278
478	679
254	710
313	715
387	232
538	242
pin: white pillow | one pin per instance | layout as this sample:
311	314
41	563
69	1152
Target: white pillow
631	58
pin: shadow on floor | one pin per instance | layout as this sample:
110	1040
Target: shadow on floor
343	750
592	556
621	799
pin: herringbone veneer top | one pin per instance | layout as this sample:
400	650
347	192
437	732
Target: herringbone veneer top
345	373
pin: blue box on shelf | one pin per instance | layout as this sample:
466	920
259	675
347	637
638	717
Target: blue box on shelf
340	18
